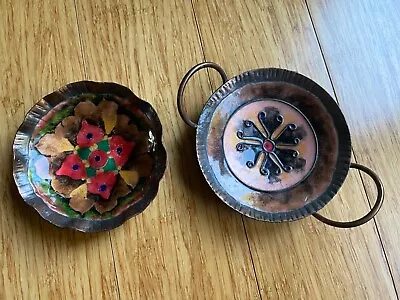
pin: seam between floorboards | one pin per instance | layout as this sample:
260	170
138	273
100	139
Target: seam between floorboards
209	81
355	158
201	42
85	70
378	233
115	266
251	257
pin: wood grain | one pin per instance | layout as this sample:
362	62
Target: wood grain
303	259
360	43
38	260
186	244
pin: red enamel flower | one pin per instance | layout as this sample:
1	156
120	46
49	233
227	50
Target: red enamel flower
120	149
73	167
89	135
102	184
97	158
94	156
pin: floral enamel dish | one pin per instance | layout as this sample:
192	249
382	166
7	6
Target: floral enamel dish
89	156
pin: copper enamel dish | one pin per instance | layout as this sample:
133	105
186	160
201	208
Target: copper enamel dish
89	156
274	145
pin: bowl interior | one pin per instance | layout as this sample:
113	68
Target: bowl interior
273	145
91	152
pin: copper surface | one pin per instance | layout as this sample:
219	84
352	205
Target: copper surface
252	176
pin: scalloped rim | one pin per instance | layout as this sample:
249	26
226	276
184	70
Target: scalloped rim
275	75
21	156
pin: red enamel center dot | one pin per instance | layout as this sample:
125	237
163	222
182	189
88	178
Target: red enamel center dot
97	159
268	146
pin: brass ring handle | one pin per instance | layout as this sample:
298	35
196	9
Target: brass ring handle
370	214
185	80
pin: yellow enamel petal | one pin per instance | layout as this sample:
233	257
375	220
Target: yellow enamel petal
131	177
81	191
109	114
121	189
109	121
52	144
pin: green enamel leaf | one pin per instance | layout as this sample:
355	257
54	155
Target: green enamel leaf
84	153
110	165
107	215
57	118
60	202
103	145
91	214
90	172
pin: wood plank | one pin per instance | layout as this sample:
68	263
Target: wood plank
40	52
304	259
360	42
186	244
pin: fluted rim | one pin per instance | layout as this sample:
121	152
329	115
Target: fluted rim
21	156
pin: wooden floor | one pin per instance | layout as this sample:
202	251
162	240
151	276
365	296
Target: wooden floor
188	244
